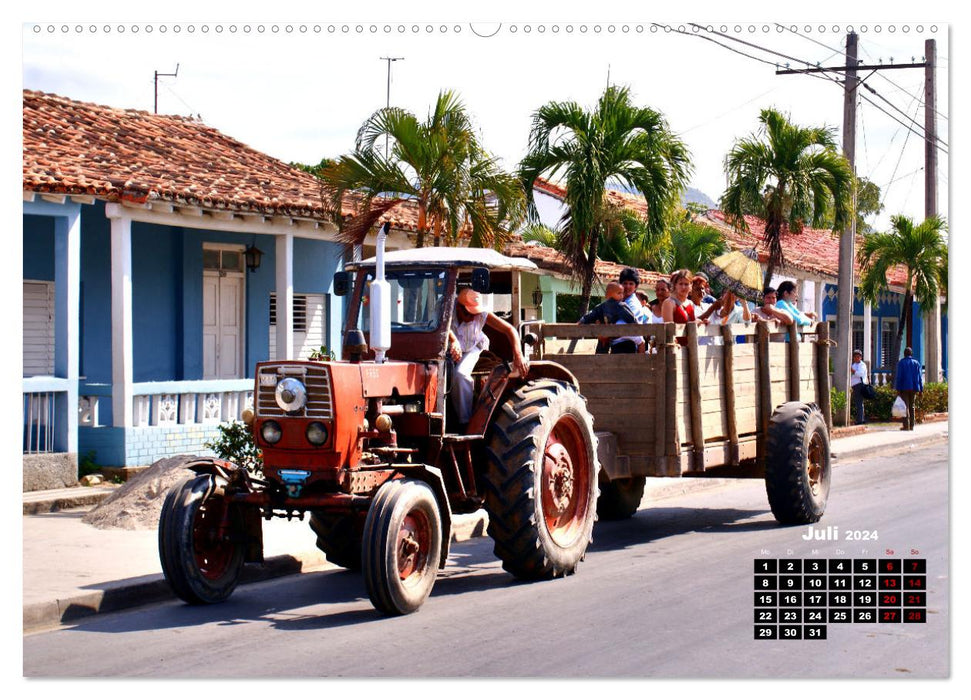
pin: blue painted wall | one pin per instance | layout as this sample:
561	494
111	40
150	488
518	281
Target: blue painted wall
38	248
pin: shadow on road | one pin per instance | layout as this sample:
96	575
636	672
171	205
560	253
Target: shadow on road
336	598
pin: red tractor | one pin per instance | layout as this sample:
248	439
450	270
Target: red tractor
369	446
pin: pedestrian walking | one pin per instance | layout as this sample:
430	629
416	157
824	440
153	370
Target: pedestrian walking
858	383
908	382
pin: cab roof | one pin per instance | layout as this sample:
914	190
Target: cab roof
449	257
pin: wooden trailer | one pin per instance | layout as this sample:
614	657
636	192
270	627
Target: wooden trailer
706	401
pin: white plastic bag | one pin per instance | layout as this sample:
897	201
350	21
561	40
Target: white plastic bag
899	409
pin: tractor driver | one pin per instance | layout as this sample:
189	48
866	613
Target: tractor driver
467	340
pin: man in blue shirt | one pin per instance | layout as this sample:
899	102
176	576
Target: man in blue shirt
908	382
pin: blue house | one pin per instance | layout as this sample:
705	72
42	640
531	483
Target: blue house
161	261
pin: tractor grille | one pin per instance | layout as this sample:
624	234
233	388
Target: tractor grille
320	399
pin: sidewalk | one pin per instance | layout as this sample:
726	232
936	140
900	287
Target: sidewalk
72	570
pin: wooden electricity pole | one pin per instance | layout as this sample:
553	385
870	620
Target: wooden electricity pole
932	354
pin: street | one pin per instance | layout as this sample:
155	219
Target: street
667	594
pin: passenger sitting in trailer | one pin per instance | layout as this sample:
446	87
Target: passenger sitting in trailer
611	310
466	343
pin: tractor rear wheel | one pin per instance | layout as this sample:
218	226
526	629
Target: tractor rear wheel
338	537
200	541
540	483
620	498
402	546
798	469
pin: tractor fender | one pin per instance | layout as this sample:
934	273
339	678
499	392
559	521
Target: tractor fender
223	473
552	370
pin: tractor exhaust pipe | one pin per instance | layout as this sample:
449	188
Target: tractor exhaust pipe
380	302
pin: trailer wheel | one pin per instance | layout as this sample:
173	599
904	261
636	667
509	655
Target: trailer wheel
402	546
200	544
620	498
798	469
540	483
338	537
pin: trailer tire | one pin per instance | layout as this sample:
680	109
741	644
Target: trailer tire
798	465
540	482
201	566
402	546
620	498
338	537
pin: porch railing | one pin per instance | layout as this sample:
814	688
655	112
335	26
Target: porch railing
173	403
40	414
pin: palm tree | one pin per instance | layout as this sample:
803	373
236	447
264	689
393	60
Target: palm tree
921	249
788	176
618	142
440	164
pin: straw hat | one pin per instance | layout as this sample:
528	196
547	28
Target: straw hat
471	300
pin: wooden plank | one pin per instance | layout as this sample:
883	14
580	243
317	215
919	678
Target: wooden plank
765	389
694	396
606	390
573	330
625	422
822	372
577	346
793	368
719	454
731	426
672	449
643	366
663	357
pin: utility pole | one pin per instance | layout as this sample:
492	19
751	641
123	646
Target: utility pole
387	103
844	299
157	74
932	354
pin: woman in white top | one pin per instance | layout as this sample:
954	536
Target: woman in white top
858	378
467	340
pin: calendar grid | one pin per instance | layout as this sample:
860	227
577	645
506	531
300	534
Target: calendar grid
800	598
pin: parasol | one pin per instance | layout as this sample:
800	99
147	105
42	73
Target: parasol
738	271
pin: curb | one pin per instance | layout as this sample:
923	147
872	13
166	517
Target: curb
901	446
150	589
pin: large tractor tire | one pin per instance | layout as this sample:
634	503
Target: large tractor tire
540	483
402	546
338	537
620	498
798	468
201	545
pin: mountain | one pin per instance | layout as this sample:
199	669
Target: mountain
697	197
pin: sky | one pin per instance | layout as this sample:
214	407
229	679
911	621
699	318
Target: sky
299	89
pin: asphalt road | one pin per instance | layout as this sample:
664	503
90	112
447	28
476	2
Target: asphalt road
667	594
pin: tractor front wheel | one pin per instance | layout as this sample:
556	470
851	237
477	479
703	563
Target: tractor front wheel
402	546
200	541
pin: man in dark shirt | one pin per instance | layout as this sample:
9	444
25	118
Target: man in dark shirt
612	310
908	382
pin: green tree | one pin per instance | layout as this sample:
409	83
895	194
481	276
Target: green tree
788	176
440	164
921	250
616	141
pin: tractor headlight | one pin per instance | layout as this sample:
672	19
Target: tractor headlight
271	432
291	395
316	433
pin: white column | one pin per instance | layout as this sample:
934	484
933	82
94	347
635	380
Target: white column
819	290
67	316
516	301
284	297
122	402
867	334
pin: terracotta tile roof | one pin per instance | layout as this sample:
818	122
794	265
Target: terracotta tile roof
80	148
554	261
624	200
